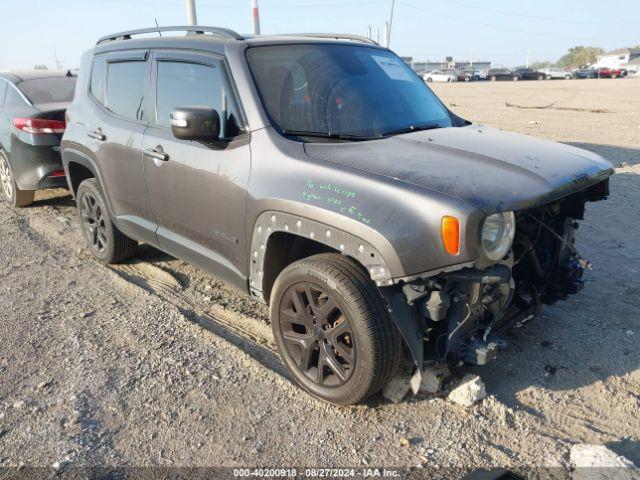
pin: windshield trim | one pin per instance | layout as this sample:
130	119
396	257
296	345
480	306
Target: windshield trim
456	121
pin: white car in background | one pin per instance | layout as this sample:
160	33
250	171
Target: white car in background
438	76
554	73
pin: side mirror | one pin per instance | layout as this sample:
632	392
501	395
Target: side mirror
195	123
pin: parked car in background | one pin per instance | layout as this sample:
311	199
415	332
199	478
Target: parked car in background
585	73
477	75
464	75
557	73
439	76
611	73
32	121
502	74
529	74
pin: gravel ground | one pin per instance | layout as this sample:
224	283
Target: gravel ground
155	364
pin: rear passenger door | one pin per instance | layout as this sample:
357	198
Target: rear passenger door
119	87
198	192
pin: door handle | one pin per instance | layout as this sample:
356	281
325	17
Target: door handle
97	134
156	155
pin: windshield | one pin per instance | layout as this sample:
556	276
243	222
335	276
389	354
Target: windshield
342	89
48	90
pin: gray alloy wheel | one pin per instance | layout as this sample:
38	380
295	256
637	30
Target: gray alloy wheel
333	329
93	223
5	177
106	242
15	196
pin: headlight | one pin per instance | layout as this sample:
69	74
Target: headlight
497	234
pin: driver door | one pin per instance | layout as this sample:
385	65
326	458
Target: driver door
197	191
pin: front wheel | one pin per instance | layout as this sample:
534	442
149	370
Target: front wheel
13	194
567	77
106	242
429	80
333	330
492	78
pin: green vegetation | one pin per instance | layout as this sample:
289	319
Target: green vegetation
575	58
579	56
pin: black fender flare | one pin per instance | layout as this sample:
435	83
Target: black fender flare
270	222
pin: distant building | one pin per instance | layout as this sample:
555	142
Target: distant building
620	58
447	64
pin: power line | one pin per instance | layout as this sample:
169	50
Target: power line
235	6
524	15
490	25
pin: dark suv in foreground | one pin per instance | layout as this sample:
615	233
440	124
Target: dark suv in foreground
321	175
32	107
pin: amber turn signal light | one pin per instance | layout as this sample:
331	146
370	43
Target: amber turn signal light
451	234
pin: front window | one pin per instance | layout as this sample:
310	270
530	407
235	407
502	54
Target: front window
342	89
48	90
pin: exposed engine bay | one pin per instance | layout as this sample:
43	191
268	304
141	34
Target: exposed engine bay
461	314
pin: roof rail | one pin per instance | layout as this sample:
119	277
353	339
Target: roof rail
198	30
336	36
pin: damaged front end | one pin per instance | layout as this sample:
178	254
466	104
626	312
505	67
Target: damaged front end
459	316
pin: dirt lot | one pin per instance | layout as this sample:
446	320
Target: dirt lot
152	363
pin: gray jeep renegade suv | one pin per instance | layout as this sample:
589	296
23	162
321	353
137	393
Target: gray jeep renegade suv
319	174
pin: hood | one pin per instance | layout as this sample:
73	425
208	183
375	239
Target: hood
488	168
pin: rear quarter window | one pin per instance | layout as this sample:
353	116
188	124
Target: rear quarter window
98	85
125	88
3	91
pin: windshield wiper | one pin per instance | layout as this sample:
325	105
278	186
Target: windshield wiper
338	136
410	129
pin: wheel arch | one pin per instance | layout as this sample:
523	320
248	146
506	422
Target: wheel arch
280	239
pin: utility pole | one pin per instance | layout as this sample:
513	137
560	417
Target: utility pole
59	63
527	64
191	12
256	17
390	23
369	32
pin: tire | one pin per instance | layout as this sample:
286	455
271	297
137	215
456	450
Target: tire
17	198
515	79
429	80
106	242
492	78
613	75
361	344
540	77
567	77
548	77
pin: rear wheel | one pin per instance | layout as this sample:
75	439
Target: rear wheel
540	77
106	242
567	77
333	330
10	190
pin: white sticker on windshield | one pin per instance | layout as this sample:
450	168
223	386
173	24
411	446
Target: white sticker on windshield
393	68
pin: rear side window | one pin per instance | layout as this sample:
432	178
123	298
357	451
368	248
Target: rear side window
182	84
126	84
99	79
3	91
48	90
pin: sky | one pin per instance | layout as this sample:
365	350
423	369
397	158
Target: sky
501	31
